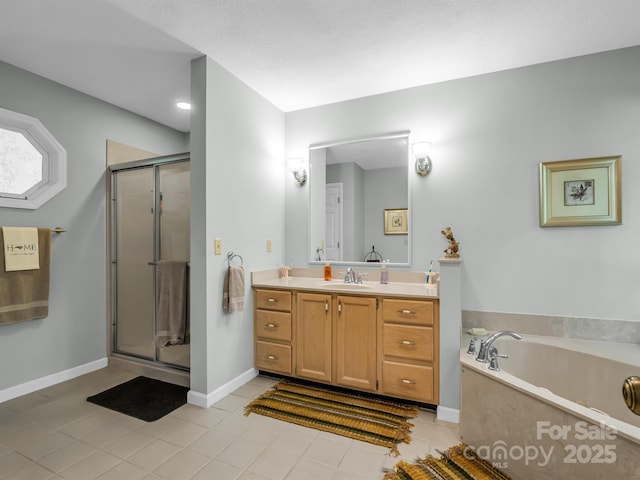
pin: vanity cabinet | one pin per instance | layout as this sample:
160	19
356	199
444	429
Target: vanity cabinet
409	349
385	345
355	342
335	339
273	330
313	336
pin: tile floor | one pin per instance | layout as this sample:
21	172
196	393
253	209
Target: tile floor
55	434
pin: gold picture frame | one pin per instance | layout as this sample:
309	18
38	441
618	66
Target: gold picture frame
396	221
581	192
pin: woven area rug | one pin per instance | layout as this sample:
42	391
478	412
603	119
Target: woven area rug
372	420
457	463
144	398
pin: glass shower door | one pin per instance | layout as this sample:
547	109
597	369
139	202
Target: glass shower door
173	236
151	223
134	239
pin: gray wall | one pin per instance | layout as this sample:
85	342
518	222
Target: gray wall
382	192
237	195
75	331
489	134
351	177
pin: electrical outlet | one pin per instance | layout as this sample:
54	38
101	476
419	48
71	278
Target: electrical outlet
268	245
217	246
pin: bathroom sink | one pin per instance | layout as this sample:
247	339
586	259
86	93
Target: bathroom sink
339	285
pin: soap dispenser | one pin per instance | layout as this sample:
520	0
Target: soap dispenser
384	273
327	272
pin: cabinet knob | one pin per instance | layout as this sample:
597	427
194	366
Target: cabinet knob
271	300
406	381
407	312
272	357
406	342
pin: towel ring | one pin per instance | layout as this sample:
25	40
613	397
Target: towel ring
231	256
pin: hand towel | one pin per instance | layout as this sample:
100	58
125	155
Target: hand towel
233	290
172	280
20	248
24	294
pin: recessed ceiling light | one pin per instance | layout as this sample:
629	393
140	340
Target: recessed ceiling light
183	105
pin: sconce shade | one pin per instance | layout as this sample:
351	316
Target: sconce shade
298	170
421	154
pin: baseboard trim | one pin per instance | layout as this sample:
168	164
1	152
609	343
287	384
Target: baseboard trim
53	379
206	400
447	414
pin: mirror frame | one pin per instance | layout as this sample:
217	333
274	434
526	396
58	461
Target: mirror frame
385	136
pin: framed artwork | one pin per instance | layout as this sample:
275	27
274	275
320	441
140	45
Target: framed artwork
581	192
396	221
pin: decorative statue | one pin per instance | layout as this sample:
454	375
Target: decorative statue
452	250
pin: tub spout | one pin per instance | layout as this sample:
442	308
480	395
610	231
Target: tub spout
485	345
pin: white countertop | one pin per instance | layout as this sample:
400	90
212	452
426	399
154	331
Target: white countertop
315	284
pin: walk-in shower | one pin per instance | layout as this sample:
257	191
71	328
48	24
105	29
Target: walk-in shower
149	224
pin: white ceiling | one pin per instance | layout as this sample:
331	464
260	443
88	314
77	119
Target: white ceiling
297	53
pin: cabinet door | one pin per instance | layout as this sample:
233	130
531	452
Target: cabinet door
356	342
313	336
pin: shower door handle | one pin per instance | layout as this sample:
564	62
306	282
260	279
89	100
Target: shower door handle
152	264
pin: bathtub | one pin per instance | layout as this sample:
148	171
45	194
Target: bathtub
555	410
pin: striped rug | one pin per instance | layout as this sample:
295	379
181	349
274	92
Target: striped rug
369	419
457	463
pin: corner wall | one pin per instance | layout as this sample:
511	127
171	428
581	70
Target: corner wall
237	195
489	134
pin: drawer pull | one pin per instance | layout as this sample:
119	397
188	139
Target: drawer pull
406	342
271	357
271	300
406	381
271	325
407	312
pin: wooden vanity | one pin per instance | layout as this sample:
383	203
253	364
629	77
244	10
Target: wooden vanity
383	339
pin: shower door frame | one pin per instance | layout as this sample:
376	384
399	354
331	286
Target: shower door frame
153	163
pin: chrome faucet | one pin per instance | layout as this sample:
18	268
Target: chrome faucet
485	345
350	276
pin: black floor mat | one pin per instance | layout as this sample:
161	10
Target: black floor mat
143	398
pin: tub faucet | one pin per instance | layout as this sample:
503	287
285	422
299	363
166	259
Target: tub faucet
485	345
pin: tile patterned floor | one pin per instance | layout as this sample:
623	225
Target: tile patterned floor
55	434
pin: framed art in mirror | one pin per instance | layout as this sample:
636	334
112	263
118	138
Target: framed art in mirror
396	221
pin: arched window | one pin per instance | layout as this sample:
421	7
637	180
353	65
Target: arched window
33	165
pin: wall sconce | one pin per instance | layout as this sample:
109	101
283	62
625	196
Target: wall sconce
298	170
421	153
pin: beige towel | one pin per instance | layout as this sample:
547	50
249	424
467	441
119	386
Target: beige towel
172	283
20	248
24	294
233	290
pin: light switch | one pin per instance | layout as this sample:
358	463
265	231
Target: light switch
217	245
268	245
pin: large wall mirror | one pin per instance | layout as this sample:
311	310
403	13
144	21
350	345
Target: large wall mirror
359	200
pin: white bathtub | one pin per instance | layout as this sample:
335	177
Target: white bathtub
552	383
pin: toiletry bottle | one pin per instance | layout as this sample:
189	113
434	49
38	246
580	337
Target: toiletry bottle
384	274
327	272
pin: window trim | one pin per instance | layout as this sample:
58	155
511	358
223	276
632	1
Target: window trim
54	161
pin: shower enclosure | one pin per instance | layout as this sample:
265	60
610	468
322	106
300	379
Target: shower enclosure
149	223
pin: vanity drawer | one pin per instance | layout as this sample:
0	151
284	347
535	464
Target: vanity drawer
408	311
273	357
274	325
408	381
406	341
273	300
